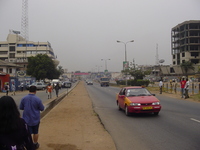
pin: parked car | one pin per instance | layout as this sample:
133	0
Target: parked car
66	84
137	99
39	86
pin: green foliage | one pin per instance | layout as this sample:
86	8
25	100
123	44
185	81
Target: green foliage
61	70
187	65
41	67
138	82
136	73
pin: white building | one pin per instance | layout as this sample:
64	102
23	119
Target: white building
16	50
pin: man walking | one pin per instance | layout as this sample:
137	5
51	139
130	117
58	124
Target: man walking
49	90
31	106
160	86
187	84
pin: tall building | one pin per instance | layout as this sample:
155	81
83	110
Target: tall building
185	42
16	50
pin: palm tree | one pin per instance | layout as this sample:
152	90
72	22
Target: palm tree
187	65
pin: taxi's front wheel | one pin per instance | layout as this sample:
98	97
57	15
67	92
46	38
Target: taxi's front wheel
127	111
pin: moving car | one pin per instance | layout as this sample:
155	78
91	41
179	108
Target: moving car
89	82
137	99
39	86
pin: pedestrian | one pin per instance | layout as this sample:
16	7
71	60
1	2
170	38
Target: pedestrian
160	86
13	89
183	82
49	90
187	84
57	88
7	87
14	134
31	106
22	86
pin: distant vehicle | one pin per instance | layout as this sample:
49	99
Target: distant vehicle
89	82
55	81
104	81
137	99
66	84
39	86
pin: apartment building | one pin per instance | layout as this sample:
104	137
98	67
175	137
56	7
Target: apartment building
16	50
185	42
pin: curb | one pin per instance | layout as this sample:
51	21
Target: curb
51	104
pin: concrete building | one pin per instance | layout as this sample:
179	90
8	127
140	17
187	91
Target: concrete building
16	50
185	42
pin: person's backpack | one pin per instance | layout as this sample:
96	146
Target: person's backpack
6	87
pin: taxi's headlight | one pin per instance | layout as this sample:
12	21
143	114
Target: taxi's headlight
156	103
135	104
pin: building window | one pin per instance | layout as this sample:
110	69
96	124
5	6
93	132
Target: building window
10	70
174	56
12	48
12	55
3	45
172	70
3	52
183	54
174	63
1	69
183	61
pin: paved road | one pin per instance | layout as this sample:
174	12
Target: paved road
177	127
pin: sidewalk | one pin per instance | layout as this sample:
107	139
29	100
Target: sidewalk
73	125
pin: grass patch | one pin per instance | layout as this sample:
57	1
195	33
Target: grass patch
195	97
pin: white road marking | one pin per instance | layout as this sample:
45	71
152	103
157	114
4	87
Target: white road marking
195	120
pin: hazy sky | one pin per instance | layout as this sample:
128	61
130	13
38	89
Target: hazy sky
82	32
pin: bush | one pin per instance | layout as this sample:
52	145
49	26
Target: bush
138	82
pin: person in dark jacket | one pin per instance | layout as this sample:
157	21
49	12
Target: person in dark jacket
14	133
57	88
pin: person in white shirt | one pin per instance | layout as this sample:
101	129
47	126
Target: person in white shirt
160	86
187	88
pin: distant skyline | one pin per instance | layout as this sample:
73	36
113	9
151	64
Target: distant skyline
82	33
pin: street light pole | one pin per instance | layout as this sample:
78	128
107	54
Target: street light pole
124	68
105	63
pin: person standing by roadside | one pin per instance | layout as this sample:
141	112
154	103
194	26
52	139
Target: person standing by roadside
31	106
13	129
57	88
7	87
187	84
22	86
160	86
183	82
13	89
49	90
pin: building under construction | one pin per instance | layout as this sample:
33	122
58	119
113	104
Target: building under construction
185	42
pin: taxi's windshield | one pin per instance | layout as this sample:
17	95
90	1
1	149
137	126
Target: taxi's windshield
137	92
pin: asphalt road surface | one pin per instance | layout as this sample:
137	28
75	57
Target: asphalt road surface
177	127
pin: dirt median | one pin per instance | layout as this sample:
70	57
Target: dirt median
73	125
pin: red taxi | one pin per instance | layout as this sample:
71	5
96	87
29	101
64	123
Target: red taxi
137	99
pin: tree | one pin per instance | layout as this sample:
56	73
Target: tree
41	67
137	73
61	70
187	65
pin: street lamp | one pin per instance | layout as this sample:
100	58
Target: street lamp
125	55
105	64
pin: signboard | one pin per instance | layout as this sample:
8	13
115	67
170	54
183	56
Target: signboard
125	64
21	73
